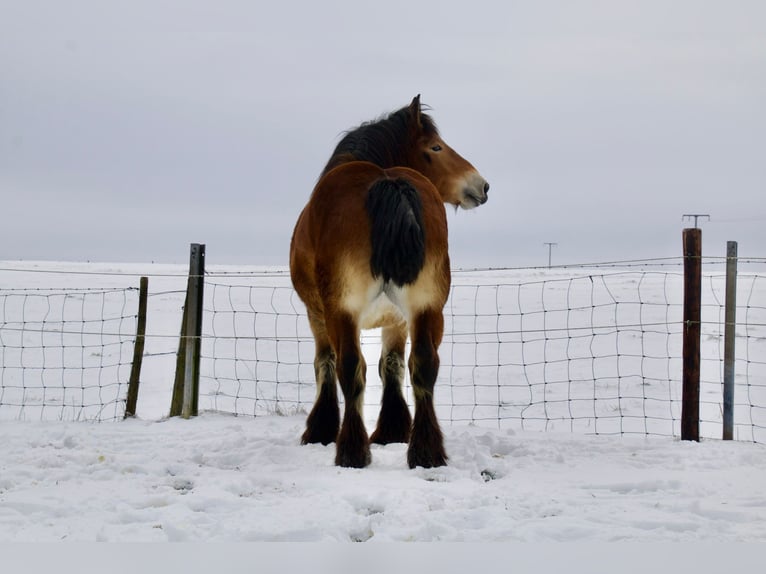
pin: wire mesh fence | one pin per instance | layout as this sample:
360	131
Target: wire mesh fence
593	353
750	368
596	352
589	349
257	350
65	354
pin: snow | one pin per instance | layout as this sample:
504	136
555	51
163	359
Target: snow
225	478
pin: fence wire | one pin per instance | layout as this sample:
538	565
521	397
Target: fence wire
549	350
65	354
594	350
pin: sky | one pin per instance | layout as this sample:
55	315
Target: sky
129	130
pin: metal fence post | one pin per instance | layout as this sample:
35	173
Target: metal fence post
729	340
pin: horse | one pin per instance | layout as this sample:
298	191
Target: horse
370	250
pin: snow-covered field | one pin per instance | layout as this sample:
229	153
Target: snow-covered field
220	477
225	478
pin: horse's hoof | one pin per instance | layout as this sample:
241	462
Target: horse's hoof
349	459
322	424
426	460
381	437
313	437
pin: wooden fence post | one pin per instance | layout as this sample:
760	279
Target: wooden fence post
138	349
176	403
690	402
186	388
729	340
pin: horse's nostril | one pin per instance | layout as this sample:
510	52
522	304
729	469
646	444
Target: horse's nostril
486	187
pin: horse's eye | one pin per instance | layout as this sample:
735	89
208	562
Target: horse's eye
437	147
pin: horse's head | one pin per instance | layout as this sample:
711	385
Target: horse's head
458	182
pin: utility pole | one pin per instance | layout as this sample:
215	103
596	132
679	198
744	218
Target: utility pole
695	216
550	246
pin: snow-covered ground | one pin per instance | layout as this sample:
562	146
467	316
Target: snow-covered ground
226	478
220	477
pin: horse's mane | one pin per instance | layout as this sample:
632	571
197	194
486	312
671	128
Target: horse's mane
385	142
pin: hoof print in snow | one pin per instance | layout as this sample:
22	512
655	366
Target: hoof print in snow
183	486
488	475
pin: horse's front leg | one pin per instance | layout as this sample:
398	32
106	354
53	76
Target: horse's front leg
395	421
353	445
323	421
426	443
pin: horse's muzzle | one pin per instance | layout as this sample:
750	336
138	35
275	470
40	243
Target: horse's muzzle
475	193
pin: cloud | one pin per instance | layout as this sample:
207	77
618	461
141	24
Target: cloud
580	114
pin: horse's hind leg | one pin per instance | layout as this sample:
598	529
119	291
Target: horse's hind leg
426	443
352	447
323	421
394	421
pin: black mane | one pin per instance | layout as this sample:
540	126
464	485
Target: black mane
385	142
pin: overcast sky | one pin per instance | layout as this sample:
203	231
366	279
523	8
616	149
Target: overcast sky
130	129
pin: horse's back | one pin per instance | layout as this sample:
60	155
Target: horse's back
332	247
336	209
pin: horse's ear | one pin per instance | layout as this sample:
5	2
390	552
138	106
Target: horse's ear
415	110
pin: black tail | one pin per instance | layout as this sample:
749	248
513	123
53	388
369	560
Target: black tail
398	240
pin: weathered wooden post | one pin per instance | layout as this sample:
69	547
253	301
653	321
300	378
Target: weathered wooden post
138	349
176	403
729	340
690	402
186	388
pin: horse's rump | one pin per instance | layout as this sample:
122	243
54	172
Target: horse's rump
391	219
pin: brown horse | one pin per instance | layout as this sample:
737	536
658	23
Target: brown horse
370	250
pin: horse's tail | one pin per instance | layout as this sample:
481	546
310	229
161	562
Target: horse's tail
398	239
